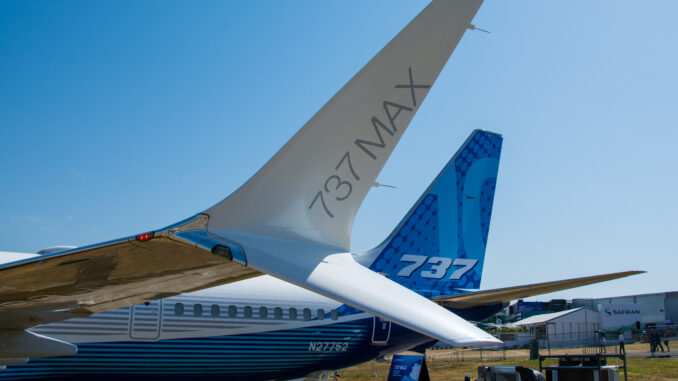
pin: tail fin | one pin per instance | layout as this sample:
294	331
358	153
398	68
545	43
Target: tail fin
440	244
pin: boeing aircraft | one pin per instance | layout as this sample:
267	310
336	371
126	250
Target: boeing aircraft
266	328
291	220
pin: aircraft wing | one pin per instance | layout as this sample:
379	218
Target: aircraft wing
292	219
83	281
501	295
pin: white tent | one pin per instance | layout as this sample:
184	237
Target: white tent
566	328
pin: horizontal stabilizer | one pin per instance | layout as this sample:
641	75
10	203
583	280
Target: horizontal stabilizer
507	294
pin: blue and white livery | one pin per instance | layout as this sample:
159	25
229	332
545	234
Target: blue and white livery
439	247
265	328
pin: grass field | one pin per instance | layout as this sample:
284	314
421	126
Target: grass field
443	365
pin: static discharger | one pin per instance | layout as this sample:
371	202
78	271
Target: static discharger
473	27
377	185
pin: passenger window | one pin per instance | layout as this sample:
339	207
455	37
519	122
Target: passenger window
334	314
215	310
277	313
197	309
248	311
179	309
232	311
293	314
307	314
263	312
321	314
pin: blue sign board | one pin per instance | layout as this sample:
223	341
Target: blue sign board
408	368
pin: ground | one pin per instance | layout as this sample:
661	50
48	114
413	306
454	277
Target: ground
450	364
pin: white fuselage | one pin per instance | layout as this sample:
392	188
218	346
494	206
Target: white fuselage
259	304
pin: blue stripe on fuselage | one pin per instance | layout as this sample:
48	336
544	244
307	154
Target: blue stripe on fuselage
264	355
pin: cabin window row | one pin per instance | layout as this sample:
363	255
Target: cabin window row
249	312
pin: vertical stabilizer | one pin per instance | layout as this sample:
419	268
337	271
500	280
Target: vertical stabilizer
440	244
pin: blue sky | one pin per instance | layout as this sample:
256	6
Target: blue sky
121	117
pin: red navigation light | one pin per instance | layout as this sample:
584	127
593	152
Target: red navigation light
143	237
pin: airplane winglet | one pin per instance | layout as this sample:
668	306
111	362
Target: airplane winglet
312	188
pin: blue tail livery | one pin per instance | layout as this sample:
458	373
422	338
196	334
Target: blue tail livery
439	247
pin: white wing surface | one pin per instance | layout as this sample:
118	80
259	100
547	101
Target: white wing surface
312	188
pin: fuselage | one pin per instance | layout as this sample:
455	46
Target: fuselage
260	328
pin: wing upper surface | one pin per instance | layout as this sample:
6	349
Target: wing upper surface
110	275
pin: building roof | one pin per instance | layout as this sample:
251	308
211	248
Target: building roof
666	293
544	318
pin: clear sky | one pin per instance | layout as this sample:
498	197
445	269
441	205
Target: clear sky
121	117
